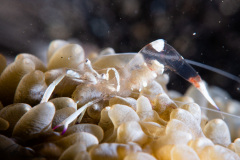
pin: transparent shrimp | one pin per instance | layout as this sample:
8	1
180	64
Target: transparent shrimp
138	72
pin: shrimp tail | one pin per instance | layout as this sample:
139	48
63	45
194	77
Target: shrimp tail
165	54
199	84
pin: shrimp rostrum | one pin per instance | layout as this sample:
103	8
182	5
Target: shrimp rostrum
122	79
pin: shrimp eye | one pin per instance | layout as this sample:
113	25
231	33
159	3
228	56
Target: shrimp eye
87	61
103	76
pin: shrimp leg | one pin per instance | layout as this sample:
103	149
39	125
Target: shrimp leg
165	54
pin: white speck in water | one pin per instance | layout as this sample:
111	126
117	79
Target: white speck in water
194	33
238	88
222	46
219	21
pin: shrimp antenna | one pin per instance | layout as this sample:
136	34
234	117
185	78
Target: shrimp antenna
216	111
165	54
223	113
219	71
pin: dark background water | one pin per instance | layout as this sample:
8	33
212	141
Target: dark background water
207	31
